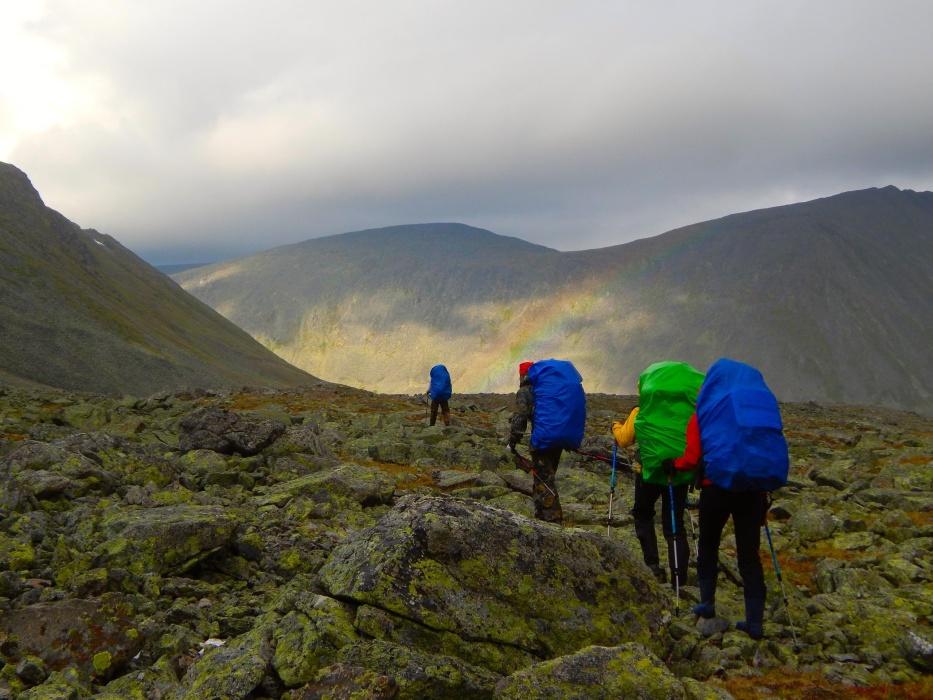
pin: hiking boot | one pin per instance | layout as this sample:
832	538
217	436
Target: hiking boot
659	573
753	624
706	608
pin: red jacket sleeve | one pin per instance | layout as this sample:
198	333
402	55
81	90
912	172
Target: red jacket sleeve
693	452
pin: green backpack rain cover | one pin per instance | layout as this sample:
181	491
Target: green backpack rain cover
667	397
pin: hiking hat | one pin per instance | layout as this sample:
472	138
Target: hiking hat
523	368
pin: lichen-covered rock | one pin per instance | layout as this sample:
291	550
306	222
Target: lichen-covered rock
71	632
227	432
65	685
421	675
347	482
489	575
381	624
595	673
813	524
231	671
157	681
164	540
308	638
344	682
918	651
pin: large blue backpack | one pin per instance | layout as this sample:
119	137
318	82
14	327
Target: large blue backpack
440	389
560	405
740	429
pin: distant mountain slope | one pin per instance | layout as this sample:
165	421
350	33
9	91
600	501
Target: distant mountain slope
80	311
179	267
833	299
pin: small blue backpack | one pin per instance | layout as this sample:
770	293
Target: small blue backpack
440	388
740	429
560	405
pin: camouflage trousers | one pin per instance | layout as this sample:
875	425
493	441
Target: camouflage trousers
547	502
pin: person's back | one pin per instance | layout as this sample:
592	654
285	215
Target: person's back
736	433
440	390
666	398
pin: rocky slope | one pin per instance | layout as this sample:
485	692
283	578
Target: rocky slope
830	298
80	311
326	543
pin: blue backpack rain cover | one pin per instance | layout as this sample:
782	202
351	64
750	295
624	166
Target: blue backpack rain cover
560	405
740	429
440	389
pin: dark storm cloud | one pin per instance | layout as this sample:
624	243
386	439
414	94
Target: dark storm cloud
210	129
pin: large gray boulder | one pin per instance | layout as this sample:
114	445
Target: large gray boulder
491	575
227	432
595	673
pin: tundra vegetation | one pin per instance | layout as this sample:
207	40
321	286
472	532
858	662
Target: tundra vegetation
327	543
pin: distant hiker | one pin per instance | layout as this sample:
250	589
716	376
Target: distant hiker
439	391
551	396
667	393
736	437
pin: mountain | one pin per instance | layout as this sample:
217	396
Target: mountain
82	312
832	299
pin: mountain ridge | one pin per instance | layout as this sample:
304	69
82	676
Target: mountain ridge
83	312
826	296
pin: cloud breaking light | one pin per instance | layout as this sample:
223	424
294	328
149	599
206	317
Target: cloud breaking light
207	129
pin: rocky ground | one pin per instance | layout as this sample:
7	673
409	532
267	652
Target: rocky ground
328	544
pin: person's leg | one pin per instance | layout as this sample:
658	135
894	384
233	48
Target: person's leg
646	495
434	405
747	512
714	513
445	412
547	502
679	564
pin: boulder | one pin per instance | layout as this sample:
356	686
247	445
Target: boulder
490	575
380	624
595	673
347	482
308	638
345	682
227	432
918	651
71	632
231	671
419	674
164	540
812	524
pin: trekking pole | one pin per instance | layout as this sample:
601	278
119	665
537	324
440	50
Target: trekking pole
670	495
602	458
777	572
612	489
528	466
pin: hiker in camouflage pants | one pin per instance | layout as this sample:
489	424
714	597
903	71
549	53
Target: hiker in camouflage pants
544	462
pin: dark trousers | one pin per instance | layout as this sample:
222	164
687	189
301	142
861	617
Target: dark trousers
646	495
747	510
544	493
445	411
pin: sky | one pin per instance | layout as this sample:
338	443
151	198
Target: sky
199	131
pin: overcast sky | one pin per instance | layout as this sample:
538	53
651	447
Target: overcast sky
195	131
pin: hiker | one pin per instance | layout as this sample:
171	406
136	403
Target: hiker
735	436
667	394
439	391
551	396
